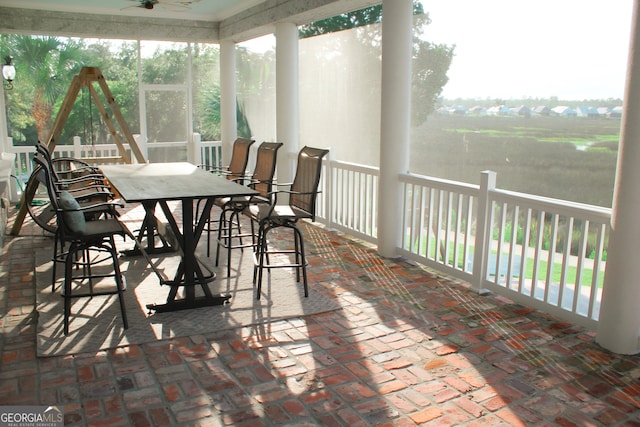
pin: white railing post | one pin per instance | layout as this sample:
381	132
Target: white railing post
481	246
329	191
77	147
194	149
9	152
7	143
143	146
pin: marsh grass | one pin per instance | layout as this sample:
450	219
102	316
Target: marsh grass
564	158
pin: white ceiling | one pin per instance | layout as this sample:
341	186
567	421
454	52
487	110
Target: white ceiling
202	10
201	20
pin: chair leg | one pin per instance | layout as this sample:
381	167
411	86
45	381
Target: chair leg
301	260
221	226
86	268
68	276
71	261
55	259
234	215
229	242
119	282
261	256
226	227
296	249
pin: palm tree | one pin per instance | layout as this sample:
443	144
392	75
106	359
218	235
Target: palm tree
45	66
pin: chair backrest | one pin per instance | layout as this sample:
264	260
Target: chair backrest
47	179
239	158
63	167
307	180
45	154
265	167
70	220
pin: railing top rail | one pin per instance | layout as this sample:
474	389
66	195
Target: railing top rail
444	184
547	204
355	167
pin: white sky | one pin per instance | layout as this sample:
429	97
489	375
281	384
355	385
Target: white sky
511	49
572	49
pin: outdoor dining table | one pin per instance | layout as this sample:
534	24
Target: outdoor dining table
154	184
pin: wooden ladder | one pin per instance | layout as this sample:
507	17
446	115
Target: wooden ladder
86	78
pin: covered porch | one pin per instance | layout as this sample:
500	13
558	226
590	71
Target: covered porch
410	344
407	345
398	226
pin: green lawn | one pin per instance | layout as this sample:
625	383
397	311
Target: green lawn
587	273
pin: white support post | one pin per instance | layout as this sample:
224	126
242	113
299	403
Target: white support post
194	149
287	98
480	249
228	118
77	147
395	127
619	319
4	132
143	146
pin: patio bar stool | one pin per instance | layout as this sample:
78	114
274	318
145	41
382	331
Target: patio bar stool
235	171
302	194
230	235
88	246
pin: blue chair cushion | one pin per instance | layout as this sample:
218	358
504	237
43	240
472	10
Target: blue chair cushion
72	216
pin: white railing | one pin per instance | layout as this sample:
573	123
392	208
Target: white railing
349	199
207	153
439	221
544	253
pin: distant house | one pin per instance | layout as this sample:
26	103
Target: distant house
616	112
478	111
563	111
589	112
541	110
457	110
498	110
522	111
443	110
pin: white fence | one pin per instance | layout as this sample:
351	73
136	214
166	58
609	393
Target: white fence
198	152
544	253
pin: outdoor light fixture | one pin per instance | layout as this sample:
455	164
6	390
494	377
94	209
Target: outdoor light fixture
8	72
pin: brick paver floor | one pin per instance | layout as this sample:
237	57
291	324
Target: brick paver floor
410	347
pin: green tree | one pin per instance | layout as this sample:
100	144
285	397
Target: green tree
119	65
44	69
430	61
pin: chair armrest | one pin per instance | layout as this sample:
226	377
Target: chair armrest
64	185
89	193
96	188
82	178
212	169
253	182
95	206
274	194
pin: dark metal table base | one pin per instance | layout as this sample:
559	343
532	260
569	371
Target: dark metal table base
197	302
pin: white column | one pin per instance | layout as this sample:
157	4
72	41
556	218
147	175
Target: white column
287	102
397	24
619	321
228	119
4	132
